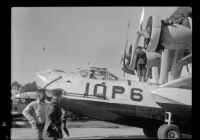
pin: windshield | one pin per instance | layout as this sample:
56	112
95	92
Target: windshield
98	74
84	73
112	77
95	74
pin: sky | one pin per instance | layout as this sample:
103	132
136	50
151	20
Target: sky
73	37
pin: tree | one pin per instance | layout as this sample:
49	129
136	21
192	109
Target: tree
21	89
30	87
15	85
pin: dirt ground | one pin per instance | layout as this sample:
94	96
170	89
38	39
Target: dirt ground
88	130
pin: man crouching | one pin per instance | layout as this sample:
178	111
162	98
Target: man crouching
55	117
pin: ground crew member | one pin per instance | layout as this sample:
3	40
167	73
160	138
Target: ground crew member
35	112
141	61
55	117
92	75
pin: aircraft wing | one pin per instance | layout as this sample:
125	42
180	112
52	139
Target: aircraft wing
183	82
175	96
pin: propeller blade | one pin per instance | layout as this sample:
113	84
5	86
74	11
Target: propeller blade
127	37
137	41
130	49
144	33
139	34
123	72
123	57
124	63
141	19
123	69
135	47
121	60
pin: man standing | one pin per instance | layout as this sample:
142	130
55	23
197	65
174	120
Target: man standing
55	117
141	61
35	112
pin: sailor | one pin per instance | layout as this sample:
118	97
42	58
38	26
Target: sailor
92	75
35	112
55	117
141	61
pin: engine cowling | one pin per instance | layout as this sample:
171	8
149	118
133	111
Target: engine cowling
153	27
176	36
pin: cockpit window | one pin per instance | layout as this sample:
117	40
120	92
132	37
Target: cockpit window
99	74
112	76
84	73
95	74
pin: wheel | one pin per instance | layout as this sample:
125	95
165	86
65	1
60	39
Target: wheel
159	131
170	132
149	132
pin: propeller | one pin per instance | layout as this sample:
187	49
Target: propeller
126	38
124	55
139	31
147	32
121	60
141	19
140	26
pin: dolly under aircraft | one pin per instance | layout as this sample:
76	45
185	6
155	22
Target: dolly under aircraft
99	94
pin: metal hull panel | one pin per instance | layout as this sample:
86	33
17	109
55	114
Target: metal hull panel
130	115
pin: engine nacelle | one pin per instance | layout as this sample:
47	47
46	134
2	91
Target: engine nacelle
153	26
153	59
172	37
176	36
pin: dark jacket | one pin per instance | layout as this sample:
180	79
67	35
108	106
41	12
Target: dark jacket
54	116
141	57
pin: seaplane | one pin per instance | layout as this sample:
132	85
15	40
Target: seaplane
162	109
99	94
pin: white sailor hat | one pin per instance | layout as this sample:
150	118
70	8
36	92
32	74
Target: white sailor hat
55	92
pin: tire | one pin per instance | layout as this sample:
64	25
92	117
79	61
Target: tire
159	131
170	132
150	132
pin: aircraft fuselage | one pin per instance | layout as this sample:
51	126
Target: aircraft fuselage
118	101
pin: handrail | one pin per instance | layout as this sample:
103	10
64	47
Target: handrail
52	81
84	95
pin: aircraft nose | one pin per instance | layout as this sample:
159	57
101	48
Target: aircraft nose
43	75
41	78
